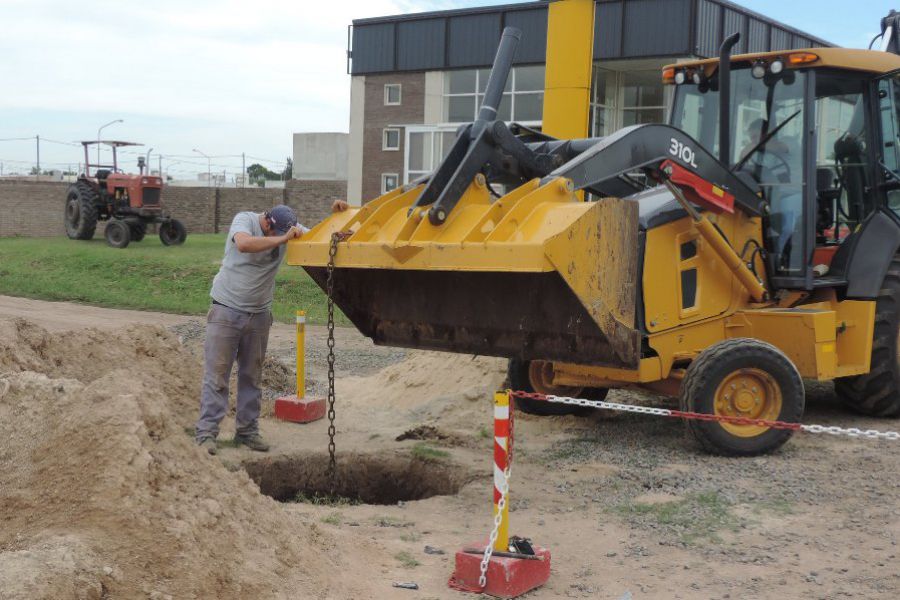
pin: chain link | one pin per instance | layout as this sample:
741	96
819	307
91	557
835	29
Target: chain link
336	238
498	520
665	412
852	432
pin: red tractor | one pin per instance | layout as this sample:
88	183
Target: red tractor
127	202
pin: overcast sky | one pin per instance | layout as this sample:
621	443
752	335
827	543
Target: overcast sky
223	76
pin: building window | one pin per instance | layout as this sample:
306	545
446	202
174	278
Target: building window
523	97
426	147
390	139
643	100
392	94
604	90
389	181
623	98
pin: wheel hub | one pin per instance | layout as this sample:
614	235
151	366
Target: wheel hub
72	210
540	376
751	394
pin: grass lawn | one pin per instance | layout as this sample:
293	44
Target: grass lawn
145	276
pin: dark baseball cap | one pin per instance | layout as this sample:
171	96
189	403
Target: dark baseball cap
281	218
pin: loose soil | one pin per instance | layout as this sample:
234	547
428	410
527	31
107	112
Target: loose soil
102	492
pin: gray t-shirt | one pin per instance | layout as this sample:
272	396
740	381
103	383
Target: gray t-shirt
246	280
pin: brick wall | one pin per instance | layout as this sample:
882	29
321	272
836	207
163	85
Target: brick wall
35	209
378	116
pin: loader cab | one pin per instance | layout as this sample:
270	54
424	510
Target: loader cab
811	133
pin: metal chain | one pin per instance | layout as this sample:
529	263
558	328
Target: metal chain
852	432
498	519
329	291
665	412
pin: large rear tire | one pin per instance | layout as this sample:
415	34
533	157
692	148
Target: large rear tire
118	234
877	393
529	376
81	211
742	378
172	233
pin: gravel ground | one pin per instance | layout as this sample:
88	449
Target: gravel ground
631	505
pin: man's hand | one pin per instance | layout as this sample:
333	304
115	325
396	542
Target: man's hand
292	234
339	206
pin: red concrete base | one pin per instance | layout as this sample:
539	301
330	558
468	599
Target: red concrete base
506	577
299	410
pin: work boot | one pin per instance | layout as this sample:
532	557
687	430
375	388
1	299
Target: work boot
208	443
254	441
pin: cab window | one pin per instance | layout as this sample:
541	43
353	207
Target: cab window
842	166
889	112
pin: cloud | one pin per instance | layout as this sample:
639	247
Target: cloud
227	75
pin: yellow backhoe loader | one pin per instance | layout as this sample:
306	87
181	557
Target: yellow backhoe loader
721	258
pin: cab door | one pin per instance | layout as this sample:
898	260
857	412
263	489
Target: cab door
888	145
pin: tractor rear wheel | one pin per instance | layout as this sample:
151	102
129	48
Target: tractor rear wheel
81	211
877	393
742	378
534	376
118	234
138	231
172	233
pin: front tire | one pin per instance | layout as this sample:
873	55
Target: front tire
81	211
531	376
742	378
118	234
172	233
877	393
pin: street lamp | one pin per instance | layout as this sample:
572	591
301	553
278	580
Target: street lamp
148	160
208	167
98	137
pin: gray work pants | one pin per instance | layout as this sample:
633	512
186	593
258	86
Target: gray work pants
232	334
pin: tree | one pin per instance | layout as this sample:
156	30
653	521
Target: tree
288	169
258	173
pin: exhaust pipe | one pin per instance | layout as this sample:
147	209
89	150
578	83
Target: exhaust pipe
725	97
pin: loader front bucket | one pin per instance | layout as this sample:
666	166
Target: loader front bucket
536	274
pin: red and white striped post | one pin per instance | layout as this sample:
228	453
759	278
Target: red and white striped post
502	459
495	570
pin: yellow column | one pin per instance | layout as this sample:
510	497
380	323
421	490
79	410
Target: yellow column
301	353
501	462
570	55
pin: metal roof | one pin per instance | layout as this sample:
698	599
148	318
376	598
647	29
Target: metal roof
467	38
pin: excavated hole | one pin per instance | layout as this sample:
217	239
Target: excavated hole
361	478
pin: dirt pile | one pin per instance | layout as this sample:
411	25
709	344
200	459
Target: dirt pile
103	493
427	375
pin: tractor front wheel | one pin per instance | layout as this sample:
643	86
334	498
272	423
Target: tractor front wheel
118	234
172	233
743	378
535	376
81	211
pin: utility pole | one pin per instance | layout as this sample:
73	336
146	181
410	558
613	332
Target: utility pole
243	168
160	165
38	139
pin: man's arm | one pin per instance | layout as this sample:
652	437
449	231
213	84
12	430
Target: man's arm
251	243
